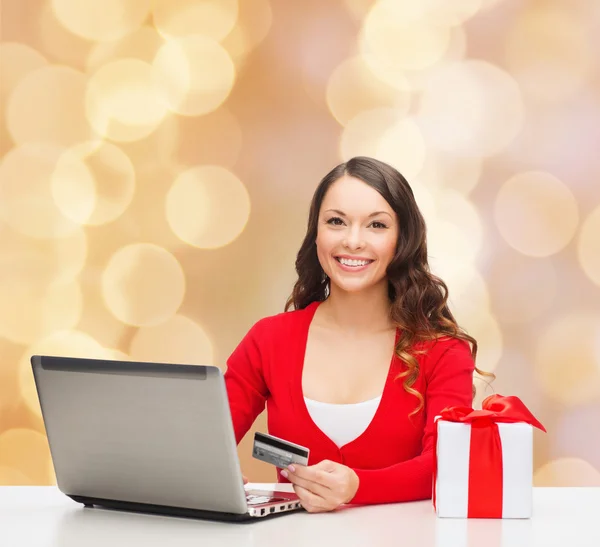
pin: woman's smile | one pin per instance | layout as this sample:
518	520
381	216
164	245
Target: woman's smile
353	265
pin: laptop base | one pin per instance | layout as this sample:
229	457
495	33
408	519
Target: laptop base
167	510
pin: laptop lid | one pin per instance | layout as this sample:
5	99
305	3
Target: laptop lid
149	433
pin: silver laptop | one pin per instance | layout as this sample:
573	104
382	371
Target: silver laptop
147	437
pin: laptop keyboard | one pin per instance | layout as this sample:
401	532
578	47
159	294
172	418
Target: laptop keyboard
253	499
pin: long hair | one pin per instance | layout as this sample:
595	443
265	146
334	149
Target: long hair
418	299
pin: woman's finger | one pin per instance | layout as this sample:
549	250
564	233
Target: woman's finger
315	487
308	498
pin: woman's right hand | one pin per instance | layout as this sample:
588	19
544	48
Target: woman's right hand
245	479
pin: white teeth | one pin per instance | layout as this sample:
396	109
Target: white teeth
347	262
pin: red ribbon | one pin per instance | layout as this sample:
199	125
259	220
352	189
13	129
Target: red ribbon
485	464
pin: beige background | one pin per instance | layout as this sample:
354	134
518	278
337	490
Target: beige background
158	159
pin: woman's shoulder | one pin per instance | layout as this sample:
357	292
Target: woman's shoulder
282	322
441	345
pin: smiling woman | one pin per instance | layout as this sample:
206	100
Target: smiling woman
370	354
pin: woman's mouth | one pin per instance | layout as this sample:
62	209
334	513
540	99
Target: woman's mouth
353	265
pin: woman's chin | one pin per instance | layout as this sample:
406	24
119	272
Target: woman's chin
352	286
357	284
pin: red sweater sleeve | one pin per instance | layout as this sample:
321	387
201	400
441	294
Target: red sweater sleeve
245	382
449	383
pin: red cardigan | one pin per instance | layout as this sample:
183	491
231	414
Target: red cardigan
393	458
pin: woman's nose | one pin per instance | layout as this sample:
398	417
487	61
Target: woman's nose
354	239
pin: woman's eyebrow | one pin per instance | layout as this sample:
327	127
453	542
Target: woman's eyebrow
341	213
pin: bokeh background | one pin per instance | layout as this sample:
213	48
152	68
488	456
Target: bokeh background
158	158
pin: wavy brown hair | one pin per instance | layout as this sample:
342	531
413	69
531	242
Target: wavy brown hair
418	299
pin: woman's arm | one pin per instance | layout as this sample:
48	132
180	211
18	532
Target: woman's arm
449	384
245	382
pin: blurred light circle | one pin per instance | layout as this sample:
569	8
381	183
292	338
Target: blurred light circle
194	74
442	170
122	102
455	52
33	310
536	213
72	187
400	35
458	173
359	8
57	42
486	330
157	151
454	208
439	12
65	257
148	214
320	48
567	472
588	248
93	183
10	394
99	21
177	340
16	61
471	108
393	76
141	44
26	451
44	262
254	22
9	476
352	89
96	320
66	343
451	13
561	61
451	252
419	79
215	138
143	284
573	153
362	134
408	12
569	372
403	147
425	199
572	433
487	4
33	114
198	201
469	301
26	202
212	18
523	288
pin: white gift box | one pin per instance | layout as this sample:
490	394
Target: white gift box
452	480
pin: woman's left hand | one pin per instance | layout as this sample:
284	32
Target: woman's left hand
324	486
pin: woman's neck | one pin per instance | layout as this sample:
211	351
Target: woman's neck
359	313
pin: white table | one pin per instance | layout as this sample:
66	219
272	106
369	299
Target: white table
32	516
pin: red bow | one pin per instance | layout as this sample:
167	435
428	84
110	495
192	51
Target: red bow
485	464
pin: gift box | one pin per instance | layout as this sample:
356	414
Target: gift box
483	460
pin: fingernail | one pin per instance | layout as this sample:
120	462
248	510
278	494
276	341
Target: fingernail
284	474
291	468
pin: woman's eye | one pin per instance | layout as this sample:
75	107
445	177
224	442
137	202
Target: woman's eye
337	221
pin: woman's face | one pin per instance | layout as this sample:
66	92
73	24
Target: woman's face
357	234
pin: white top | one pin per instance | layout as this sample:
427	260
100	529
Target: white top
342	423
40	516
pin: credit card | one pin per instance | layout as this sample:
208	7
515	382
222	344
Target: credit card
277	451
